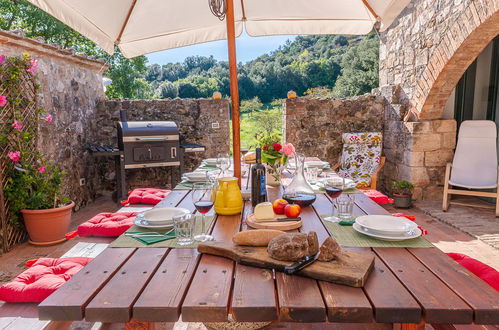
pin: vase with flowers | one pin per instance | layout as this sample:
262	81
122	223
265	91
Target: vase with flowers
275	156
33	185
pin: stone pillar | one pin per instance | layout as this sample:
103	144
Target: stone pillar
418	152
415	151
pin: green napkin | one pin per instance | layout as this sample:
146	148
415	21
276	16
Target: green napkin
149	240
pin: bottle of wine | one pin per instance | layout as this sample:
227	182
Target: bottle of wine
258	182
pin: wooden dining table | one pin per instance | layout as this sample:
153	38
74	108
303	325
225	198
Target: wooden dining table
408	286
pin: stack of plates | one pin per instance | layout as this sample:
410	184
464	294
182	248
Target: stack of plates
387	227
210	162
159	217
317	163
349	183
200	176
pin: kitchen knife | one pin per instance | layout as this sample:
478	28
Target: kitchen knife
299	265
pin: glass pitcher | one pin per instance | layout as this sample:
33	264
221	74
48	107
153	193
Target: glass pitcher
299	191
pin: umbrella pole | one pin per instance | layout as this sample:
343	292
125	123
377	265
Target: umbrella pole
234	89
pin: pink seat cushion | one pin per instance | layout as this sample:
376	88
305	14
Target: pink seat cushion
147	196
40	280
377	196
485	272
107	224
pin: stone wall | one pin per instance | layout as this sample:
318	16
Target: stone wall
315	126
194	118
430	45
71	86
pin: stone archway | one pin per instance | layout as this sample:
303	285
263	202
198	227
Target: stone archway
470	34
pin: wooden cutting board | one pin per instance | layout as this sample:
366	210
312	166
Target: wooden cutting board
352	268
284	225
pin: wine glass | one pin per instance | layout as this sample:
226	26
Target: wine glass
334	186
223	162
203	198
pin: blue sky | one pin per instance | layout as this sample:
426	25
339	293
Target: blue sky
248	48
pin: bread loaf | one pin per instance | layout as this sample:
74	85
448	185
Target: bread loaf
313	243
329	250
288	247
257	237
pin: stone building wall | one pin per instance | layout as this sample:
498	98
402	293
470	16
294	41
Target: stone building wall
314	126
415	151
431	44
71	86
195	118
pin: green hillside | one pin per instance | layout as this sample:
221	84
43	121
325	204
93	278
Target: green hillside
337	65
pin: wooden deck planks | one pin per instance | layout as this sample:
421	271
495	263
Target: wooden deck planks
208	296
253	294
66	304
440	304
114	302
470	288
343	303
162	298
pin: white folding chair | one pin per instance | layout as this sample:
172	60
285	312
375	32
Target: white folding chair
475	164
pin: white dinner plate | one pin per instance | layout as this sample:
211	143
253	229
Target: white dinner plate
161	216
210	161
400	237
316	163
144	224
386	224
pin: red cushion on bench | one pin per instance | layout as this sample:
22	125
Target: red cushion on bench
377	196
485	272
147	196
40	280
107	224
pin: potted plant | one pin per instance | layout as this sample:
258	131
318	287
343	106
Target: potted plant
33	187
402	193
274	156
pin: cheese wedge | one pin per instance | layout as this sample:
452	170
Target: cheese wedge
264	211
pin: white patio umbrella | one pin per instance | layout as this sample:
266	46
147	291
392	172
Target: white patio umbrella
140	27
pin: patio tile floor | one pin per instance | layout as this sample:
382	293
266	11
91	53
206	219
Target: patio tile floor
480	223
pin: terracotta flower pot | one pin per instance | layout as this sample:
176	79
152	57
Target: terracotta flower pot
47	227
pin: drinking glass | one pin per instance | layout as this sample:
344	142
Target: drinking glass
312	173
334	186
203	198
344	205
223	162
184	228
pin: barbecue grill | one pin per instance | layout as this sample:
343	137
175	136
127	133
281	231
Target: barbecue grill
144	144
149	143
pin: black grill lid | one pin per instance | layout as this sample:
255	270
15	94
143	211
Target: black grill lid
147	128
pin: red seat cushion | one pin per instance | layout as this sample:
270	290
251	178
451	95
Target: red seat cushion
377	196
485	272
40	280
147	196
107	224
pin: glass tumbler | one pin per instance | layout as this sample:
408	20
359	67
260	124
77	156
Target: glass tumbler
184	228
344	205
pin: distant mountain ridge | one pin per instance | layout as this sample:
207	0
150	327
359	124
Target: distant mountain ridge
334	65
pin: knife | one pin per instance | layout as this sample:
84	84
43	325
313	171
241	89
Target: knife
299	265
281	220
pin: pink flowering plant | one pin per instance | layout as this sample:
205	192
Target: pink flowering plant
32	182
275	153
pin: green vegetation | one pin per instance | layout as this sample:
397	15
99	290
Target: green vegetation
402	187
315	66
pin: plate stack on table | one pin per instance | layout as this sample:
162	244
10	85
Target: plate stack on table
318	164
387	228
158	218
